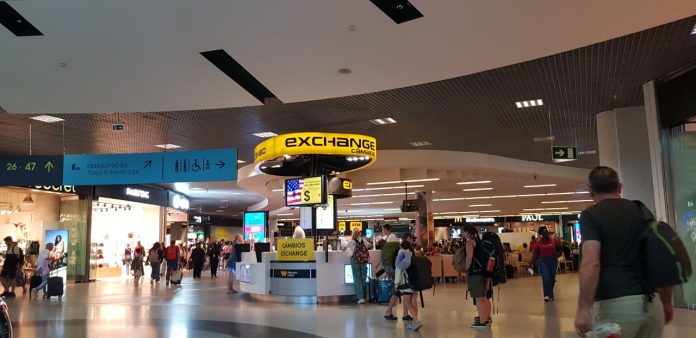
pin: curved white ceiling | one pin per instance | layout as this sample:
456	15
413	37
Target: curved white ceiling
133	55
508	178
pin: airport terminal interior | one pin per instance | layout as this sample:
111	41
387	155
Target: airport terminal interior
289	168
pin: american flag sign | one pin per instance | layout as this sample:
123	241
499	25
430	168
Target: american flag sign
293	191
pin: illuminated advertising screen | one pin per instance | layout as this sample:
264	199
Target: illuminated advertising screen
305	191
255	226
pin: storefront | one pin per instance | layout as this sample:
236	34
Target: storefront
34	216
122	216
177	225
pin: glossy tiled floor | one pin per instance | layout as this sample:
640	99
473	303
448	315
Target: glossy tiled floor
110	309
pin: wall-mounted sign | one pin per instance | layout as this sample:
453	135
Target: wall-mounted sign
185	166
296	249
317	144
135	193
305	191
532	218
179	201
345	226
31	170
138	193
481	220
293	273
56	188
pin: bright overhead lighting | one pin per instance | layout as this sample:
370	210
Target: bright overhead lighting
197	189
559	193
277	190
508	196
480	205
265	134
393	209
553	202
504	196
477	189
276	166
371	203
383	121
582	192
219	210
533	209
167	146
580	201
563	208
420	143
289	214
47	118
530	103
241	161
390	188
382	195
488	211
353	211
531	195
404	181
473	182
539	185
449	199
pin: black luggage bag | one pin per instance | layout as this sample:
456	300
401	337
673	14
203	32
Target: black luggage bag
35	281
381	290
55	287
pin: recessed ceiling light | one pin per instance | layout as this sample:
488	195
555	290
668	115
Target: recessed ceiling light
420	143
480	205
477	189
383	195
405	181
290	214
47	118
391	188
473	182
241	161
383	121
539	185
580	201
265	134
553	202
530	103
693	30
563	208
277	190
533	209
167	146
488	211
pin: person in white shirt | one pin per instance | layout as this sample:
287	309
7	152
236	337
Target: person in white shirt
42	269
299	232
388	235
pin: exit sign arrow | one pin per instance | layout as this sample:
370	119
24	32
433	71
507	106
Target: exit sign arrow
564	154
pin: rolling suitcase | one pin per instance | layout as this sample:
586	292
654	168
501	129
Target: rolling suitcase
55	287
381	290
176	277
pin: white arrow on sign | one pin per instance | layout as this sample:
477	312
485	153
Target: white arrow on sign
560	152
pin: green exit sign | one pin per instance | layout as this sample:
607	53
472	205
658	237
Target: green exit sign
564	154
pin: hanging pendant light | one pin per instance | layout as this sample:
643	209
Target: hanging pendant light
28	200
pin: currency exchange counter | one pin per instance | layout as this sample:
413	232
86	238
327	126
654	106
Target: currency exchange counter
304	282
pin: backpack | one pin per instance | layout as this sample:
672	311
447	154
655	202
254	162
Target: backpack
459	260
665	259
361	254
419	273
20	259
172	252
389	252
154	256
497	274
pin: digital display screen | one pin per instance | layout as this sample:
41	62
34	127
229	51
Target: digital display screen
325	216
305	191
348	274
255	226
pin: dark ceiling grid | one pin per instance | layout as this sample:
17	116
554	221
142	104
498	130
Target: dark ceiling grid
473	113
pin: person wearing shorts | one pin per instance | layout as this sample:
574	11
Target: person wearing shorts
476	280
9	269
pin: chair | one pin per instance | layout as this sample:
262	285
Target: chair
514	259
563	262
448	268
525	261
436	269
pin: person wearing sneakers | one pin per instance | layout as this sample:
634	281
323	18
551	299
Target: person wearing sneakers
359	259
402	285
9	268
172	255
545	257
389	313
43	270
476	260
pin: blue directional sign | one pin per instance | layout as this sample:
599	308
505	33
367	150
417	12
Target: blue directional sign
200	166
102	169
31	170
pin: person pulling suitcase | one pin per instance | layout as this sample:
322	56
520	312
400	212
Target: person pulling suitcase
42	271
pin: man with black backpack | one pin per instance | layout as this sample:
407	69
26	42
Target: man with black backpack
479	284
613	288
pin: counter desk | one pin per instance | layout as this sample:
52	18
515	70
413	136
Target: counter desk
305	282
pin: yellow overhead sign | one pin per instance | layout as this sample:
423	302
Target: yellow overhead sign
296	249
313	143
351	225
